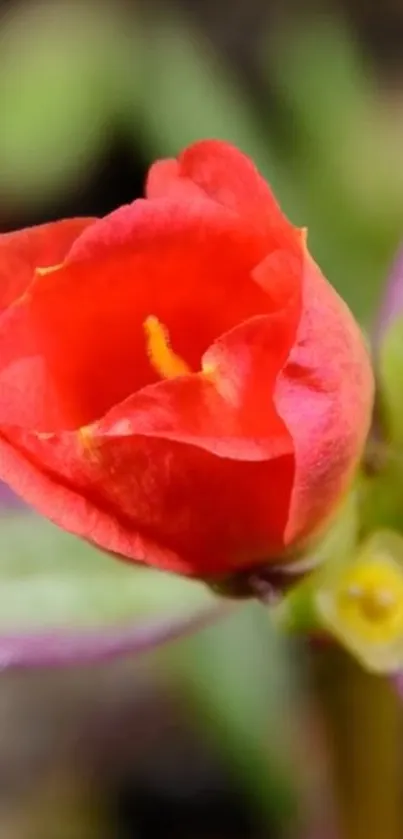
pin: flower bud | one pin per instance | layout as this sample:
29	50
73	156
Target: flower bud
179	384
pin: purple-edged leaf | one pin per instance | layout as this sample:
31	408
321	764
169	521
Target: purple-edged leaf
387	345
62	601
63	648
8	499
392	303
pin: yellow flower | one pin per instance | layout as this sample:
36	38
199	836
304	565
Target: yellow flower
361	603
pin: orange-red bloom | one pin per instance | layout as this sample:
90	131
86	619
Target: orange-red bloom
178	382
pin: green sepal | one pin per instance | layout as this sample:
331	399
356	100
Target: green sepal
297	611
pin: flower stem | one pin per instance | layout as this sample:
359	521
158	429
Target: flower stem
362	729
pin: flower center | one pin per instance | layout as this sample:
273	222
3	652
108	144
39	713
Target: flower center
166	363
370	599
375	604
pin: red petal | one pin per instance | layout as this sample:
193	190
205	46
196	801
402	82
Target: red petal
167	504
35	247
230	411
228	177
78	334
161	176
324	395
193	474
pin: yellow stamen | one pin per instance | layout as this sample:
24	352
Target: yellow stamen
370	600
376	604
85	435
88	444
166	363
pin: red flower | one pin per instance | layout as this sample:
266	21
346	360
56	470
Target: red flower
183	387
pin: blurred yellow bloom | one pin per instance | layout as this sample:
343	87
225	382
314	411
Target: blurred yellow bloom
369	599
361	603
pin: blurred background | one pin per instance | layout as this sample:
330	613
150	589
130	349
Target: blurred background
211	737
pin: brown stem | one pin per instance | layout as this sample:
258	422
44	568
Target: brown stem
362	722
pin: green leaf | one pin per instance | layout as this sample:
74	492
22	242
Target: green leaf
237	677
57	83
390	376
344	155
297	612
50	580
380	491
195	96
